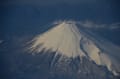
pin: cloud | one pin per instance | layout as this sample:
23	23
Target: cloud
45	2
1	41
93	25
115	26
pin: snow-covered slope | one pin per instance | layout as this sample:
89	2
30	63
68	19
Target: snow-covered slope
64	39
67	40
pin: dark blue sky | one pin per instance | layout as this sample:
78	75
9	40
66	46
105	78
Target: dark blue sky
101	11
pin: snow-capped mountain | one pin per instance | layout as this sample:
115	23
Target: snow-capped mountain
69	40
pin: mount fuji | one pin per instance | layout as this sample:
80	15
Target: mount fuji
92	57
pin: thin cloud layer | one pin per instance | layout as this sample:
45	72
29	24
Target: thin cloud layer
92	25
